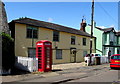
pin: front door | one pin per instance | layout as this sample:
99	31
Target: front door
73	56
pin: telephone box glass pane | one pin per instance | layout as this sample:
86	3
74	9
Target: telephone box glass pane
47	57
39	58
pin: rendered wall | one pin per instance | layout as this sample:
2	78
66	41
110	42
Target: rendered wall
22	43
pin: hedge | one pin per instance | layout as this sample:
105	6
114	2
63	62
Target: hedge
8	56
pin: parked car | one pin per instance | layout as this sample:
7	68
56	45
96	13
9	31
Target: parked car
115	61
87	57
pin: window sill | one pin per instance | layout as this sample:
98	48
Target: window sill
58	59
72	44
31	38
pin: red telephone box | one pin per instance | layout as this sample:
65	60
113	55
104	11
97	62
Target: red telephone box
44	55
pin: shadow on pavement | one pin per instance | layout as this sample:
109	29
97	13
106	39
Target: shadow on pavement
55	70
16	71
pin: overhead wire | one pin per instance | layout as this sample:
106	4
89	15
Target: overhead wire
107	12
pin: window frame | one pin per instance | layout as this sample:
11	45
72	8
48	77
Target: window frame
115	57
105	38
56	36
85	53
32	34
73	38
84	41
60	56
29	53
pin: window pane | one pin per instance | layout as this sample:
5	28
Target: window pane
84	41
35	34
55	36
32	32
58	54
115	57
29	33
31	52
73	40
97	54
84	53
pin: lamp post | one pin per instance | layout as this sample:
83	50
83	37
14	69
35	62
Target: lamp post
92	15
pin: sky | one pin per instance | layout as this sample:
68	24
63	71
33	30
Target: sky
68	14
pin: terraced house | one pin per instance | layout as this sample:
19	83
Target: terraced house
107	39
118	41
68	44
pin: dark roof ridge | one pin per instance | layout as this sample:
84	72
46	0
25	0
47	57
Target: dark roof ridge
105	28
118	33
46	22
49	25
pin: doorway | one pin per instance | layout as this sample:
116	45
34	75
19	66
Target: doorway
73	55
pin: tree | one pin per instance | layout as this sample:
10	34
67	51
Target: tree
8	57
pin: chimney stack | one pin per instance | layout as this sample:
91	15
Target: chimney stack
83	25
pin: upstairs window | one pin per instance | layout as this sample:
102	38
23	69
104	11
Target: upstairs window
73	40
84	41
105	38
32	32
55	36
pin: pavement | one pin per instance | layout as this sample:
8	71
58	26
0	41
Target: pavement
58	72
68	65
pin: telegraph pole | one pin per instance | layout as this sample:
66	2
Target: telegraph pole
92	16
32	39
32	43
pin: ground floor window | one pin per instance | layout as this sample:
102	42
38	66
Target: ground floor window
105	51
32	52
84	53
118	51
59	54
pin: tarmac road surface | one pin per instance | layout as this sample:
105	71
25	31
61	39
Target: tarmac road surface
109	76
67	74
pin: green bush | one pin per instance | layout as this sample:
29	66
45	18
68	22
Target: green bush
8	57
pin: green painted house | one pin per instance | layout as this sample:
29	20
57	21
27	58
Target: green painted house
118	41
106	39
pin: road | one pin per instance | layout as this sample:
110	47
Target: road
105	76
100	73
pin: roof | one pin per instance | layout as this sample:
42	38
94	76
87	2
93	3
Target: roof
118	33
105	29
48	25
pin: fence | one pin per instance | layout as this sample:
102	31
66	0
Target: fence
103	59
27	64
